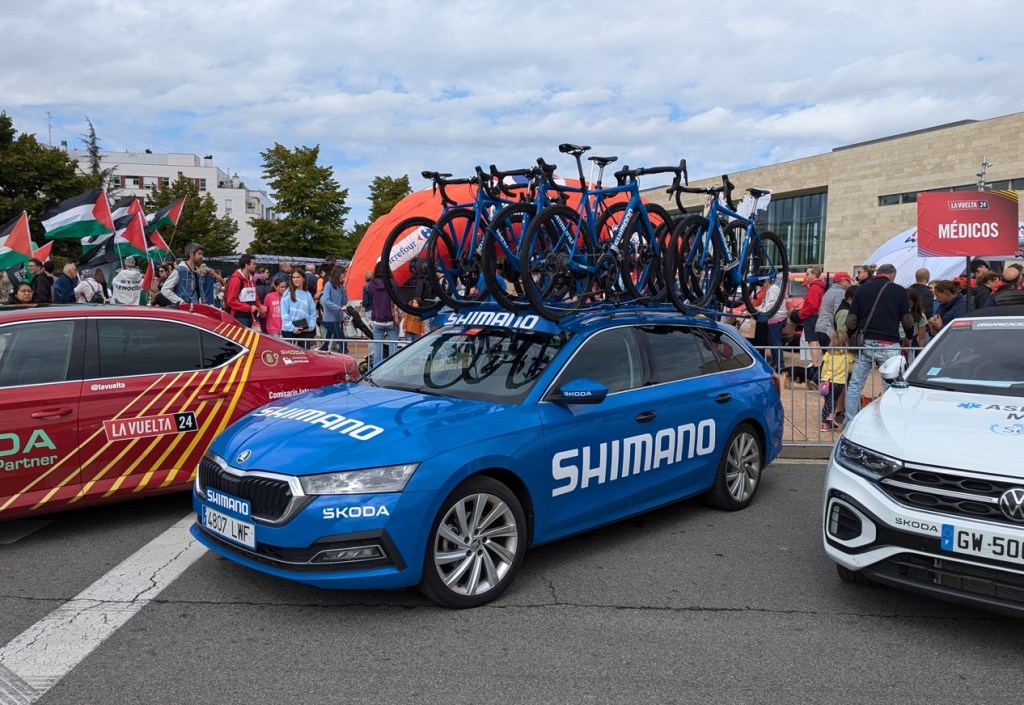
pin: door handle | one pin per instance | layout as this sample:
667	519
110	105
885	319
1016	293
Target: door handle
723	398
54	413
645	416
207	396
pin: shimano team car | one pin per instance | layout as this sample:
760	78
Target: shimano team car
925	488
102	404
496	432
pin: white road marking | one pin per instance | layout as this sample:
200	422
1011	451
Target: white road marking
47	651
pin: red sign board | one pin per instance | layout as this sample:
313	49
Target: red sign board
967	223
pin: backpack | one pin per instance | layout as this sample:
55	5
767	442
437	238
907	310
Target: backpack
97	297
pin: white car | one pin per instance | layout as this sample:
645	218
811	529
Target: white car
925	487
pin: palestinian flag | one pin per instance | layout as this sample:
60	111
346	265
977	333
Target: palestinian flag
43	253
157	247
15	245
132	239
129	205
82	216
168	215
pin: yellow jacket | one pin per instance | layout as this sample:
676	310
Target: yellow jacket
836	366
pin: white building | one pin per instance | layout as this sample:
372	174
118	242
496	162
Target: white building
138	172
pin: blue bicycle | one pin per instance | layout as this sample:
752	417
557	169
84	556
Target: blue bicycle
715	256
599	251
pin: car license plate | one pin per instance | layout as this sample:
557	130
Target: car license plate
989	544
229	527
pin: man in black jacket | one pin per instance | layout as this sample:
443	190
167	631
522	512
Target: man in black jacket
880	308
42	286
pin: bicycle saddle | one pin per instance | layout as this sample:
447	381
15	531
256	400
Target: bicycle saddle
603	161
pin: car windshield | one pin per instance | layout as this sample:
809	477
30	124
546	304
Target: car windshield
485	364
982	355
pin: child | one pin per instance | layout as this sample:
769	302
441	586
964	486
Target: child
836	365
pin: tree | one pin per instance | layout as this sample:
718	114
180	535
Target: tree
32	176
310	201
198	223
385	193
99	177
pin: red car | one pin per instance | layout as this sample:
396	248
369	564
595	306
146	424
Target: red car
108	403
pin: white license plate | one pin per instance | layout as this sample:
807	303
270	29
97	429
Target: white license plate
989	544
230	528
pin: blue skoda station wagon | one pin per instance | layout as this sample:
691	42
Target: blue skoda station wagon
495	432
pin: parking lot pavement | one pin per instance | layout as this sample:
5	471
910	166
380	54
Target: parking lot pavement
684	604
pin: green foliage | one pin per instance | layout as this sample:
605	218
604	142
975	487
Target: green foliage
310	203
99	177
198	223
33	176
385	193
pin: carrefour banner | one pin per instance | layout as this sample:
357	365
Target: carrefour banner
967	223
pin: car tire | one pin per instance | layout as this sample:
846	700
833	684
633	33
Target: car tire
475	546
739	471
854	577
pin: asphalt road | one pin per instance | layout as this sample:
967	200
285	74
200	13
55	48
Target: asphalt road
686	604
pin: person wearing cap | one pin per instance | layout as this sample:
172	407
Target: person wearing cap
830	302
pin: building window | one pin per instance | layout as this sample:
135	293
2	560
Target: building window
800	222
201	184
116	181
227	205
165	181
149	182
132	182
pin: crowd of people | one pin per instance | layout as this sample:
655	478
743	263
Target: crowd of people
851	324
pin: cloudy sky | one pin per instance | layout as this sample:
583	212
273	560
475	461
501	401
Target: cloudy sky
393	87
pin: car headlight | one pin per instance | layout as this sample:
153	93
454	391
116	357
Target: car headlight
391	478
872	465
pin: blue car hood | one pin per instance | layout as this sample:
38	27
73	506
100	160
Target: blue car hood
355	426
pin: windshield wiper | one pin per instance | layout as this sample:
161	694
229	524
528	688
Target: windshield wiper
932	385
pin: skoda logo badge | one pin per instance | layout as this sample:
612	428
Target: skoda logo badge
1012	504
243	456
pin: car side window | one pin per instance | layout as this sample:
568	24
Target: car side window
610	357
731	355
35	353
675	354
217	350
135	346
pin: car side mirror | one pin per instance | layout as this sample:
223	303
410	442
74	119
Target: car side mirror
579	391
892	369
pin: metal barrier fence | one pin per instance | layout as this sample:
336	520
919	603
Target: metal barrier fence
802	402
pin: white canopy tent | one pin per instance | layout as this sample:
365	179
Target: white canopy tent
901	252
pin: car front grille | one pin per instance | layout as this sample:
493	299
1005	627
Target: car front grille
957	494
1001	585
269	498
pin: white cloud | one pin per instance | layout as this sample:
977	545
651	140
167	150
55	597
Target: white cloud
395	87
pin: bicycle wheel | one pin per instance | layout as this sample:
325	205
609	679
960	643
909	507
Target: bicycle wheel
453	250
765	261
557	260
697	263
405	257
500	256
641	245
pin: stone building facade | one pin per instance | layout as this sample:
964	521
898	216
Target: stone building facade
869	189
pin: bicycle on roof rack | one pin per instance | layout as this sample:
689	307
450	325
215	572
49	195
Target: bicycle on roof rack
444	253
717	256
599	251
